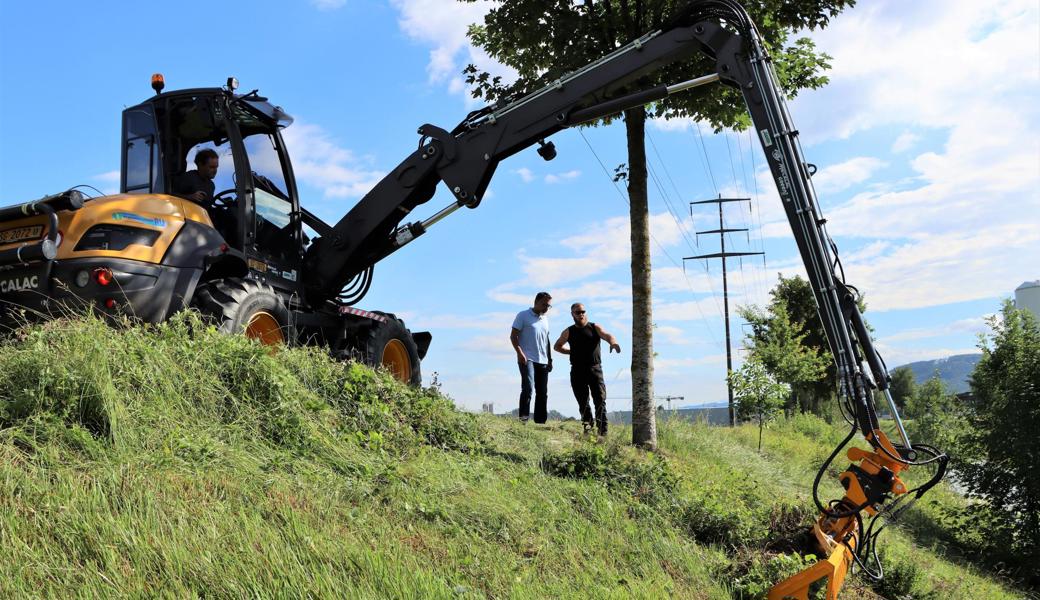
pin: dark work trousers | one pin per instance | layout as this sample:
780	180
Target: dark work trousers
534	375
586	379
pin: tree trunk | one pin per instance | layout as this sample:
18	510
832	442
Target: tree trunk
644	421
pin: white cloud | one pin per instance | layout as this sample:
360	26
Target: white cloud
485	321
602	246
669	334
671	125
561	177
328	4
963	227
489	345
690	310
904	142
974	326
604	298
109	182
319	161
899	63
525	174
443	25
835	178
895	357
666	366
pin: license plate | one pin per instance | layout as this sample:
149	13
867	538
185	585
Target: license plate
17	234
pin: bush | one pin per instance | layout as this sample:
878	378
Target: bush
182	386
648	481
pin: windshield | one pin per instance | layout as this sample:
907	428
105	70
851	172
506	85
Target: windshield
273	206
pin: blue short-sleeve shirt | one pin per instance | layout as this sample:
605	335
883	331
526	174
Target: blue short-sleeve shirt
534	335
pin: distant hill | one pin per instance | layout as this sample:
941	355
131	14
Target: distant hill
954	371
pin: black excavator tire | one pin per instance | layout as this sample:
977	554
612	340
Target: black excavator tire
374	348
234	303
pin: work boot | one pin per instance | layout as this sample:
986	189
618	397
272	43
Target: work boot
586	428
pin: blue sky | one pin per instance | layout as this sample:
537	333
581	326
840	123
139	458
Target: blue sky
926	140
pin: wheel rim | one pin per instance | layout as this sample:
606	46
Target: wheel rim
264	328
396	360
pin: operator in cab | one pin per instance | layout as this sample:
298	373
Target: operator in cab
198	185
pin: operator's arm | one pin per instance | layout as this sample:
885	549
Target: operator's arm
514	337
563	340
190	187
608	338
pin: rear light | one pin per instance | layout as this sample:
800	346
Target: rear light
110	303
82	278
104	276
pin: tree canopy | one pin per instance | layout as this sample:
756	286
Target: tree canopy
902	386
789	337
998	450
545	39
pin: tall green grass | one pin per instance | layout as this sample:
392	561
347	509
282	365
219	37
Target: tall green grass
173	461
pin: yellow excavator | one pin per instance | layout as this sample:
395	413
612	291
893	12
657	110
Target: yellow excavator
253	260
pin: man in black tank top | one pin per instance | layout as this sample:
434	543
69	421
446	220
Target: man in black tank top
586	371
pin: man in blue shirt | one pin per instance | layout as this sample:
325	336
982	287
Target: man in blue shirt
530	339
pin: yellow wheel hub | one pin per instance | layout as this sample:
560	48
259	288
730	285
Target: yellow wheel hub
264	328
396	360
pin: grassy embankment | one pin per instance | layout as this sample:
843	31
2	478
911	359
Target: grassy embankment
175	461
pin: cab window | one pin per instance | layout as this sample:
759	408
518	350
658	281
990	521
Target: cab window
273	207
141	166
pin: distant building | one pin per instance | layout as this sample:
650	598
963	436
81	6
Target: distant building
488	407
1027	296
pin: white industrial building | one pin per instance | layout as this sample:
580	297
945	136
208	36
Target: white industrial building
1027	296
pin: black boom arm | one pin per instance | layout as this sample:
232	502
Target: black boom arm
465	159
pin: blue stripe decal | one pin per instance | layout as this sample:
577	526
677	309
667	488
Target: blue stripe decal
154	222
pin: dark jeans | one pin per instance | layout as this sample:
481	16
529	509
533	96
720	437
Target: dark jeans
583	381
534	375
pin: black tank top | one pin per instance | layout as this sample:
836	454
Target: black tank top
584	343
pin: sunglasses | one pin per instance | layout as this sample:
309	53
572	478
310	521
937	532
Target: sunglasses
577	312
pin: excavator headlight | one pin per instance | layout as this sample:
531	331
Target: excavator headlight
232	84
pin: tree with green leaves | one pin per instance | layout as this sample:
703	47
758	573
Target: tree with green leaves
545	39
902	386
937	413
779	344
759	397
790	328
996	455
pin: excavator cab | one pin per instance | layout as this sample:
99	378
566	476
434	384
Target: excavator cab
255	206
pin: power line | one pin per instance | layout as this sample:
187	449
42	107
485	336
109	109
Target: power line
722	231
681	266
